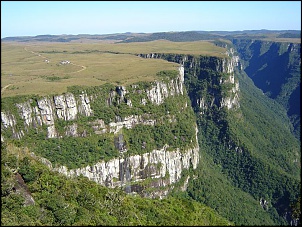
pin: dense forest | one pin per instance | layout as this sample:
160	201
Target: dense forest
248	154
31	194
275	68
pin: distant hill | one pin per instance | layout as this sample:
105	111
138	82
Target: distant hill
184	36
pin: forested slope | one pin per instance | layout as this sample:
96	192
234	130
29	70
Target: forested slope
275	68
249	155
47	198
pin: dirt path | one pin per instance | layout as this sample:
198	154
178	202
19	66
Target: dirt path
82	66
34	53
2	90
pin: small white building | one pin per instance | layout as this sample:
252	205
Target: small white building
65	62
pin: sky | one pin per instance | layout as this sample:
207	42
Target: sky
31	18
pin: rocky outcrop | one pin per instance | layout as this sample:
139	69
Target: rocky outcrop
162	166
67	107
232	100
160	91
84	106
25	112
71	130
46	111
9	122
234	62
21	188
193	64
156	94
129	122
158	170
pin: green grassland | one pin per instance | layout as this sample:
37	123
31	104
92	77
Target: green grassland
24	69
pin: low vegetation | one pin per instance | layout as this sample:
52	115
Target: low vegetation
42	68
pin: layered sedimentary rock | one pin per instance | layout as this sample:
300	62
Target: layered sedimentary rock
68	107
162	166
158	169
194	64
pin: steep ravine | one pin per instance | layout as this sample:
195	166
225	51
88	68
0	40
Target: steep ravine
230	140
150	137
275	68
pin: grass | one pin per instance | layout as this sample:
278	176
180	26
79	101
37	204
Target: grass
25	71
286	40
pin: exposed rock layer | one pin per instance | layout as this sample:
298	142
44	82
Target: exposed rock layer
162	167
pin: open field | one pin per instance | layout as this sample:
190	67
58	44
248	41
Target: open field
37	68
282	40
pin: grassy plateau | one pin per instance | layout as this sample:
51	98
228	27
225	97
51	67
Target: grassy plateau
37	68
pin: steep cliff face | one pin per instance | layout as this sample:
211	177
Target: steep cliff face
213	71
110	110
160	167
275	68
9	122
60	116
243	144
69	107
46	111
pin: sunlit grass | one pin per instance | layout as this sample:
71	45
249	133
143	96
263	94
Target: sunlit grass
24	69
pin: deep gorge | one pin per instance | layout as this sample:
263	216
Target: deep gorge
185	116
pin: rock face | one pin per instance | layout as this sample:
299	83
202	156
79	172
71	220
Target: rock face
158	169
46	111
232	100
67	107
162	166
195	64
129	122
160	90
21	188
9	121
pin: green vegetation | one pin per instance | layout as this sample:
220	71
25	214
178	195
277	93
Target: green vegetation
168	75
56	78
75	152
247	154
178	134
245	157
59	201
173	125
275	68
214	188
91	64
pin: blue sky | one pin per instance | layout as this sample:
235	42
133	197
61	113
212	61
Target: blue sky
30	18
